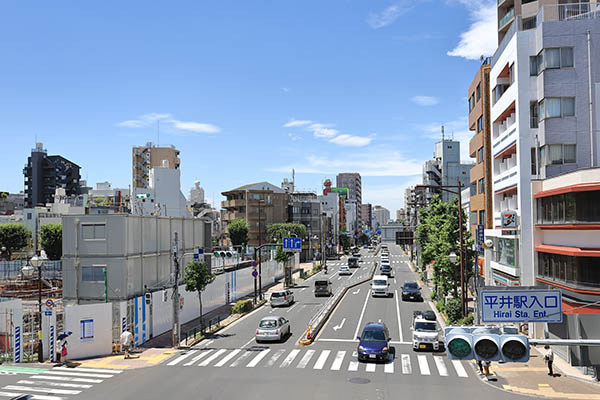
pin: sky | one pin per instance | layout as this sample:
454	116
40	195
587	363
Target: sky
247	90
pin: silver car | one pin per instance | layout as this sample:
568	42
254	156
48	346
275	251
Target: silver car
345	270
281	298
272	328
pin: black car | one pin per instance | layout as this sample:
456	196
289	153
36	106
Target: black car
411	291
333	256
386	269
353	262
429	315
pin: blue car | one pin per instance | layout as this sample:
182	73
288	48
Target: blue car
374	343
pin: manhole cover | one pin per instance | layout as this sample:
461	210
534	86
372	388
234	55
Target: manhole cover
360	381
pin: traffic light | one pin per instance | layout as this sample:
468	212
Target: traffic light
486	343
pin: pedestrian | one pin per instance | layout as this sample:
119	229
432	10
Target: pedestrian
549	359
64	352
486	370
480	365
126	342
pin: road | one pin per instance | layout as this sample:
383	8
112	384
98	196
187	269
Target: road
232	366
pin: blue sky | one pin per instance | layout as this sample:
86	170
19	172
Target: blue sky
247	90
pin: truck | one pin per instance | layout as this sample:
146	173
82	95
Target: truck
426	334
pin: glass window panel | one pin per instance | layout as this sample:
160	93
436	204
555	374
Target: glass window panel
533	67
87	231
566	57
570	215
555	154
568	106
552	106
569	151
540	64
99	231
546	204
561	267
552	58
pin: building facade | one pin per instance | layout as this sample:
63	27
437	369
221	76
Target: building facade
367	215
305	208
144	158
352	181
44	174
330	205
381	216
445	169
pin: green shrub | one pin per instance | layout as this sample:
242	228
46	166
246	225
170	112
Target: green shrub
242	306
468	320
454	310
433	296
440	306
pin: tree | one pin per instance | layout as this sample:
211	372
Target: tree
363	239
51	240
345	241
14	237
197	276
276	232
238	232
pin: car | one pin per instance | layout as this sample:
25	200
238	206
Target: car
365	247
345	270
380	286
323	287
429	315
426	334
353	262
272	328
411	291
374	342
281	298
334	256
386	269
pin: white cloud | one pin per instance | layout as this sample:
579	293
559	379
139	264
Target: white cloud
388	15
294	137
323	130
425	100
293	123
285	89
482	36
351	141
151	119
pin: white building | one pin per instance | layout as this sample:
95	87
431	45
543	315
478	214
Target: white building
196	194
351	207
381	215
330	205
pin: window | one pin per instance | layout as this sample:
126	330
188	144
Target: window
556	107
481	185
506	252
559	57
569	208
566	57
471	102
482	217
511	74
533	115
478	91
567	106
554	154
552	57
569	269
92	274
559	154
479	124
481	155
93	231
569	156
533	161
552	106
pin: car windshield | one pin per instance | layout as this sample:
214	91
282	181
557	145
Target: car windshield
278	294
425	326
379	282
410	285
373	336
268	323
320	283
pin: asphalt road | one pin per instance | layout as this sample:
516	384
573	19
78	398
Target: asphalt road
232	366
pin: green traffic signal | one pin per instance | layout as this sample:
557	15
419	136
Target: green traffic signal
459	347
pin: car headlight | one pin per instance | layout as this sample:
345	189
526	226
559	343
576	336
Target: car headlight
360	348
385	349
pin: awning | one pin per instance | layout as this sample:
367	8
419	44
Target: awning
579	187
568	251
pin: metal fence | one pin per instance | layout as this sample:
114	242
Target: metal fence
12	269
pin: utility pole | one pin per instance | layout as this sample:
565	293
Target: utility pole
462	252
175	298
260	294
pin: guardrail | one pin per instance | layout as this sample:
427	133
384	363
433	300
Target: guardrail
319	319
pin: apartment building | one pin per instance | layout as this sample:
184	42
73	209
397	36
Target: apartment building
367	215
445	169
381	216
353	182
330	205
305	208
544	107
259	204
144	158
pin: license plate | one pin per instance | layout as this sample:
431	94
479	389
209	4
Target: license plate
422	346
372	356
412	297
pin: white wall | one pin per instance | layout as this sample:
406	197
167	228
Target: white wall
101	342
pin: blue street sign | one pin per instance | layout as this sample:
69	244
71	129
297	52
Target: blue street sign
292	244
48	313
480	234
254	273
522	305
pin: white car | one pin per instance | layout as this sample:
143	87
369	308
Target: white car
272	328
380	286
345	270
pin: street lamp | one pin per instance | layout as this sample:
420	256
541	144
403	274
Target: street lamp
36	263
452	257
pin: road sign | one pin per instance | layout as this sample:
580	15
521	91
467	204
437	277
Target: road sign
48	313
49	303
254	273
521	305
292	244
479	232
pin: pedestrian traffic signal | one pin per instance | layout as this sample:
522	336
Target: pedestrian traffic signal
486	343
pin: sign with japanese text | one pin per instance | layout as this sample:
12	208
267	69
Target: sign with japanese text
509	219
522	305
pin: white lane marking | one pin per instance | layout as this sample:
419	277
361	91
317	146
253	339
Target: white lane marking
441	367
248	342
207	343
398	342
362	313
82	374
389	367
41	390
240	359
292	307
353	366
288	360
304	361
395	281
357	291
371	367
211	358
274	358
228	357
340	326
57	384
340	277
80	369
66	379
338	360
35	396
322	359
423	365
302	290
182	357
398	315
258	358
406	368
198	357
460	370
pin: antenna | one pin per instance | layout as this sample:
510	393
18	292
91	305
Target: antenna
157	132
442	133
293	176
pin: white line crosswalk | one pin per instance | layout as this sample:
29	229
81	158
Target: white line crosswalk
313	359
58	382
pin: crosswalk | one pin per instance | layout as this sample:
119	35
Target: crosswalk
58	383
312	359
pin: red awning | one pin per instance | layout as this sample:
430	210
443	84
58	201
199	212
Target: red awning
579	187
508	190
568	251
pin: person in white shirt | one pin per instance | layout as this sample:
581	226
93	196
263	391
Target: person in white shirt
126	342
549	358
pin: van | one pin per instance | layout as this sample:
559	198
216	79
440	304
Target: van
323	288
353	262
380	286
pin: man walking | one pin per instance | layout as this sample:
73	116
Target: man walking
549	359
126	342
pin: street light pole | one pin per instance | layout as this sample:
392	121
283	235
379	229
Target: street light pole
462	254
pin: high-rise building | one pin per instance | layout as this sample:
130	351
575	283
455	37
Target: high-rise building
445	169
44	174
367	215
353	182
381	216
144	158
480	148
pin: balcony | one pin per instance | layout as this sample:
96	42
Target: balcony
230	216
234	203
510	15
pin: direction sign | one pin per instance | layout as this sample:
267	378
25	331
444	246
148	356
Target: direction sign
292	244
521	305
254	273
